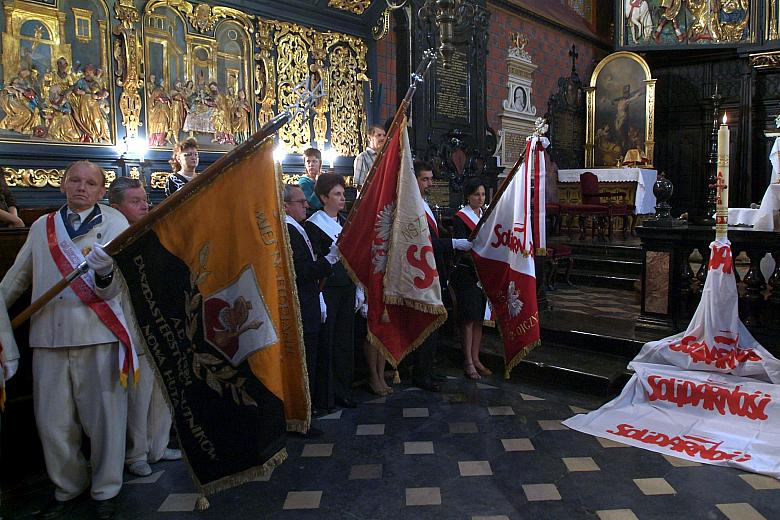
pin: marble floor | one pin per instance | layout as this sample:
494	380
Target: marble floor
478	450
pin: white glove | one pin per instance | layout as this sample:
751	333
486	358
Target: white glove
323	309
364	310
360	298
461	244
10	368
100	261
333	255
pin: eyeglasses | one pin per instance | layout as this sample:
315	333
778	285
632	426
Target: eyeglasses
190	154
302	201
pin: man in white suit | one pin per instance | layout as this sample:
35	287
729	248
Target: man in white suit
148	417
80	343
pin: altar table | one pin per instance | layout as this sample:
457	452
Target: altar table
640	181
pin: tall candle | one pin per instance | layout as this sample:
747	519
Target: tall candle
722	185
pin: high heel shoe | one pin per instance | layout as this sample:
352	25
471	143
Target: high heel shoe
471	372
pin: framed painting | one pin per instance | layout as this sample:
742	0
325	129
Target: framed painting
620	113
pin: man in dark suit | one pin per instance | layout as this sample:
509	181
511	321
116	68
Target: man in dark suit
309	270
422	374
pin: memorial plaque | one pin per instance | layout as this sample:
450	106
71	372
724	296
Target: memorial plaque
514	144
452	100
439	193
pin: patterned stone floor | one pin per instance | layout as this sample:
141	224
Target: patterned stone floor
596	301
477	450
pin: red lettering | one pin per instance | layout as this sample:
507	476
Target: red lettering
704	449
711	397
421	263
721	256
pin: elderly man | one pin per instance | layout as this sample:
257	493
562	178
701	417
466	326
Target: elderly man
79	340
309	270
148	417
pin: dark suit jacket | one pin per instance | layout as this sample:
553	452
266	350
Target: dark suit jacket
308	274
322	242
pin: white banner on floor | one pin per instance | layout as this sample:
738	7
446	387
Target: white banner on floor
708	394
699	416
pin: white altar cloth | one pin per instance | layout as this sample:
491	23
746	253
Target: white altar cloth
766	218
644	178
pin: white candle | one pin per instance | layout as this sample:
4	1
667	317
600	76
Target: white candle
722	185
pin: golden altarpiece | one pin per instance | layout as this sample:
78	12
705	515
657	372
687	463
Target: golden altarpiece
87	78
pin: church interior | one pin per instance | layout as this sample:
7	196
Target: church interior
638	97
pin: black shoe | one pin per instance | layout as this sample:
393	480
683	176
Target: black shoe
55	509
105	509
345	402
427	384
439	377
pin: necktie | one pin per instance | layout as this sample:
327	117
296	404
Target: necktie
75	221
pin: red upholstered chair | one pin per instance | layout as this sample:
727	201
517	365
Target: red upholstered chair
600	206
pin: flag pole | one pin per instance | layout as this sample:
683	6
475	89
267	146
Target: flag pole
429	56
170	204
501	190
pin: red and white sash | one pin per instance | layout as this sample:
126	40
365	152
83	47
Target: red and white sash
431	220
67	257
468	216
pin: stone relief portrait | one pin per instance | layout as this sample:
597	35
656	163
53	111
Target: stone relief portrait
56	77
521	99
689	22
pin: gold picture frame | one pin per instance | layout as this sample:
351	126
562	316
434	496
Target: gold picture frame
620	106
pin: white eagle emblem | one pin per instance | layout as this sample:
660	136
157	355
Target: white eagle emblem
383	228
513	302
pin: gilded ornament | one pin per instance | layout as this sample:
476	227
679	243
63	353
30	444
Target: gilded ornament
203	17
159	179
352	6
41	177
766	60
382	26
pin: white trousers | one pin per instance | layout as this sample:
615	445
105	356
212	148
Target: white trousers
148	417
75	388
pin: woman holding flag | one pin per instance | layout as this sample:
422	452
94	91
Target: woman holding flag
470	300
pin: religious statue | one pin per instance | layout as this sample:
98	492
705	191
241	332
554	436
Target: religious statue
222	117
705	25
200	111
178	111
241	118
670	9
159	113
21	104
59	116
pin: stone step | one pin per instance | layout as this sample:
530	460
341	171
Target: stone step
600	249
608	265
625	282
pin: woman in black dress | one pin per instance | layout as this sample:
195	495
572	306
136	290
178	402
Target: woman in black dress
470	309
336	353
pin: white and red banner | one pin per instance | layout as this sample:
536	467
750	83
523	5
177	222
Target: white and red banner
708	394
386	247
503	253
